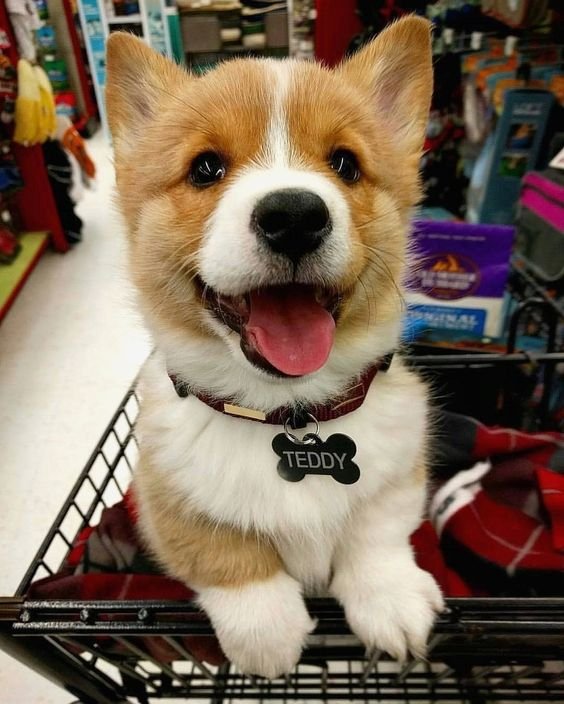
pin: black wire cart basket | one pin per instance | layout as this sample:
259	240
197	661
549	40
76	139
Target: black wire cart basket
482	649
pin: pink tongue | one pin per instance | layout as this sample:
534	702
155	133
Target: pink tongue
290	329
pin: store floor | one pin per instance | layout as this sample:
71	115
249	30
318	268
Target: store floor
69	349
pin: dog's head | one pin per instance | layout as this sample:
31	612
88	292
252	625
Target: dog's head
268	204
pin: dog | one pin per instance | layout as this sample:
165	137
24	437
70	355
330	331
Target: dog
268	205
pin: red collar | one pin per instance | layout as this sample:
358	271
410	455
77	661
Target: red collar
348	402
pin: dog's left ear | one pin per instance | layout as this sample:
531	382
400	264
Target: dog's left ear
139	81
396	70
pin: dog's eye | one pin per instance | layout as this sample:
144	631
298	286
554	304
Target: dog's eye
345	164
206	169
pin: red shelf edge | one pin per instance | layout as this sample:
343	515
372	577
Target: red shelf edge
24	277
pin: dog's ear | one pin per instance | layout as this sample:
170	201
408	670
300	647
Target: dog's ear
396	70
138	81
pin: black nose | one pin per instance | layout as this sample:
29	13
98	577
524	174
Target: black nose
291	221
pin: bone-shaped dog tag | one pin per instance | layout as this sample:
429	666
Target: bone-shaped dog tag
332	457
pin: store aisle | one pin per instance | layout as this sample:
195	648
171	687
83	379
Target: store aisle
69	349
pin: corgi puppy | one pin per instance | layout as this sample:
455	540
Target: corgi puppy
268	205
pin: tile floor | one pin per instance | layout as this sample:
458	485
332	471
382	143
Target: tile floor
69	349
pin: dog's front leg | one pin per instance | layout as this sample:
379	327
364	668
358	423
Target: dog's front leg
390	603
256	608
261	625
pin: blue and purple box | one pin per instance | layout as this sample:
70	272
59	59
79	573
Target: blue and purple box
459	276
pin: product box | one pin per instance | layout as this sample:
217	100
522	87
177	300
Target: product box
512	149
46	38
65	103
56	70
459	276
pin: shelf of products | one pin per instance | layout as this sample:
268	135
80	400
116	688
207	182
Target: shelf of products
62	54
35	201
41	153
145	18
215	31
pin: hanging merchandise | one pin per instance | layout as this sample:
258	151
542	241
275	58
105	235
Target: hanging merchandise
56	70
519	13
63	71
505	84
42	9
65	102
48	122
75	145
35	105
28	106
59	170
46	39
475	111
78	179
25	20
444	182
8	90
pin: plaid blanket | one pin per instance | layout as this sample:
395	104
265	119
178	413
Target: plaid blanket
495	527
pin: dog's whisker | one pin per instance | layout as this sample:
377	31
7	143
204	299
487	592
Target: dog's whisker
381	215
383	269
368	301
379	251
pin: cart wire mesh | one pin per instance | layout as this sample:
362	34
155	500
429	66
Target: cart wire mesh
482	649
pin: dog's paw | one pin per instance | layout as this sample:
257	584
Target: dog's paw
394	612
262	627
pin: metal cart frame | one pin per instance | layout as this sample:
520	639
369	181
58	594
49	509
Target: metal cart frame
481	650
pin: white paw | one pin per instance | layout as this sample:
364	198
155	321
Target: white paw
395	611
262	627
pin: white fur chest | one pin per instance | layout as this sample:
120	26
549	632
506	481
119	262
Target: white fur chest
226	467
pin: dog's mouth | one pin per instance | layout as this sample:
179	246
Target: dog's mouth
285	330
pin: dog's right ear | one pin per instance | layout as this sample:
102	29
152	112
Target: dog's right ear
138	81
396	71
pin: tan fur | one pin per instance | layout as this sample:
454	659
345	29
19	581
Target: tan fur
194	115
170	120
228	111
190	546
325	114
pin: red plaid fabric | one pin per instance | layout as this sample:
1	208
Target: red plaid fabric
496	526
500	522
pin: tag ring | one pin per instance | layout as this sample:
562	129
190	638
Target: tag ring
295	439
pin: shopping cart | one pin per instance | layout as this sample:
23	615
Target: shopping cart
482	650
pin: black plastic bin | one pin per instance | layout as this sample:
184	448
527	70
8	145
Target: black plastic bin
482	650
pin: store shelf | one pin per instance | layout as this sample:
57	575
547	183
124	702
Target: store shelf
34	202
13	276
125	19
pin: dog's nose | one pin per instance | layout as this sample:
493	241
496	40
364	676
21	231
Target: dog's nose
292	221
